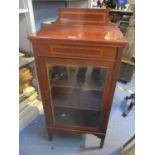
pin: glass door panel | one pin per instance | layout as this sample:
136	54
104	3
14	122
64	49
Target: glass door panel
77	94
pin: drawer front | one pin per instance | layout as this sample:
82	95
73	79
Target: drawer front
77	52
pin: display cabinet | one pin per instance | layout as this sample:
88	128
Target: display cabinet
78	60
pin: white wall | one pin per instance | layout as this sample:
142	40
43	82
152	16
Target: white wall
48	10
81	4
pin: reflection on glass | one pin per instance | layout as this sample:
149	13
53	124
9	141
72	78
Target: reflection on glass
77	94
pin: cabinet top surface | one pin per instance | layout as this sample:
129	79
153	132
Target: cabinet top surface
84	26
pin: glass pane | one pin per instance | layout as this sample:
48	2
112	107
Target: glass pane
77	94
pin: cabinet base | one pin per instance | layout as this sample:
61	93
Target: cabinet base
50	137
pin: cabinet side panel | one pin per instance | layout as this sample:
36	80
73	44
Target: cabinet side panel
111	91
41	72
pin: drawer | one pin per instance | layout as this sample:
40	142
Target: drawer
77	52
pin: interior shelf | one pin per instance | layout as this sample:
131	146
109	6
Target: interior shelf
78	87
76	117
77	99
24	61
86	85
23	11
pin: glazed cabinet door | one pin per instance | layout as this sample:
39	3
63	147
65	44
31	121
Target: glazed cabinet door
78	91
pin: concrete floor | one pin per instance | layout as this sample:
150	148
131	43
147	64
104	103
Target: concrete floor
34	139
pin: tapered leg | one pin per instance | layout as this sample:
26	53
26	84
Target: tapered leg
101	143
50	135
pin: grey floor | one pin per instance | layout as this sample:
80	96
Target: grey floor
34	140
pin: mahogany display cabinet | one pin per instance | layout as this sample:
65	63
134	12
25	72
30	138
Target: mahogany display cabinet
78	60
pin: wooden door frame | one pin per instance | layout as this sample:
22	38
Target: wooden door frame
44	62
